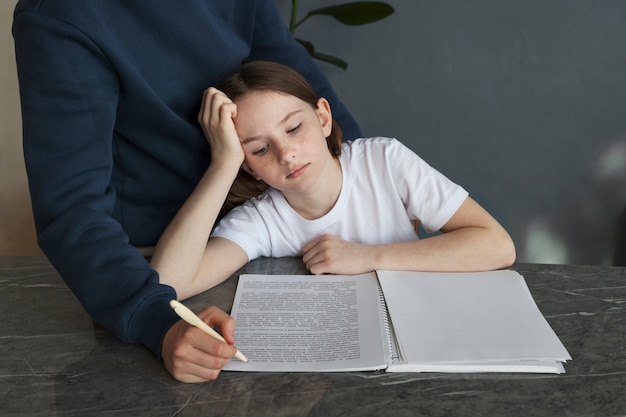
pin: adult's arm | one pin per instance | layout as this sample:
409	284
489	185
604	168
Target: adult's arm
69	95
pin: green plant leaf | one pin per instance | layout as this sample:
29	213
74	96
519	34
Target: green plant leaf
307	45
321	56
357	13
331	60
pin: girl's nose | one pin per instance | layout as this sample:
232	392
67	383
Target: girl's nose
286	153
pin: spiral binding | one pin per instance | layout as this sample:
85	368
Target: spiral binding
386	321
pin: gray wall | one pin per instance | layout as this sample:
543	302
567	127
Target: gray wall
522	102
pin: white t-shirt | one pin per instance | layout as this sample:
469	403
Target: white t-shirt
385	187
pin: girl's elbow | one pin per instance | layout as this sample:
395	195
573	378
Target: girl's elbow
507	252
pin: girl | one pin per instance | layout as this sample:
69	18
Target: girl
345	208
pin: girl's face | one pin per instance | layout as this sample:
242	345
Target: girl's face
284	139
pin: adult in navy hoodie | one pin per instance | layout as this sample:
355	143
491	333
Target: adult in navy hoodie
110	93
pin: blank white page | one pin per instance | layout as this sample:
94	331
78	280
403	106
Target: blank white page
467	317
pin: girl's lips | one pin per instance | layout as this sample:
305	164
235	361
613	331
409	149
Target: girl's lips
297	171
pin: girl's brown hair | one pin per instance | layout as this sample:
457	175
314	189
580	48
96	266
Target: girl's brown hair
271	76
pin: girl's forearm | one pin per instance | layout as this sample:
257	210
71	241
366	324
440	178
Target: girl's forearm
472	240
179	252
464	249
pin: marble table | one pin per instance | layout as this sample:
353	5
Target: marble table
55	362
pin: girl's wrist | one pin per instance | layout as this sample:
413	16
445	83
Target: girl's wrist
226	164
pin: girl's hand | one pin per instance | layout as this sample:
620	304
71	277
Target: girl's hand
216	118
329	254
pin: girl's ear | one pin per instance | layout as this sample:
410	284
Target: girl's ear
246	168
325	116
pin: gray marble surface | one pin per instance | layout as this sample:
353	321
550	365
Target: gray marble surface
55	362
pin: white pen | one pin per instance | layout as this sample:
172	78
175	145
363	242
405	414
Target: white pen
194	320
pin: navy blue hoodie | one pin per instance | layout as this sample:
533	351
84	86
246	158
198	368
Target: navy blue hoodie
110	92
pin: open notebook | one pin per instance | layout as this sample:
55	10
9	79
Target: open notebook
399	321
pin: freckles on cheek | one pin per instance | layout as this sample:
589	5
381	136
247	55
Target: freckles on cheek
247	163
252	164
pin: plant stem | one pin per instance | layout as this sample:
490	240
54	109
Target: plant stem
294	13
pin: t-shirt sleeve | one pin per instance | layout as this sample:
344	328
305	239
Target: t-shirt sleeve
246	227
429	196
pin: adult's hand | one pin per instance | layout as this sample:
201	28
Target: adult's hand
191	355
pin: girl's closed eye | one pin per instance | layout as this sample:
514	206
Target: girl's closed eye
261	150
295	128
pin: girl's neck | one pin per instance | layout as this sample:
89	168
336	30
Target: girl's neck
319	200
